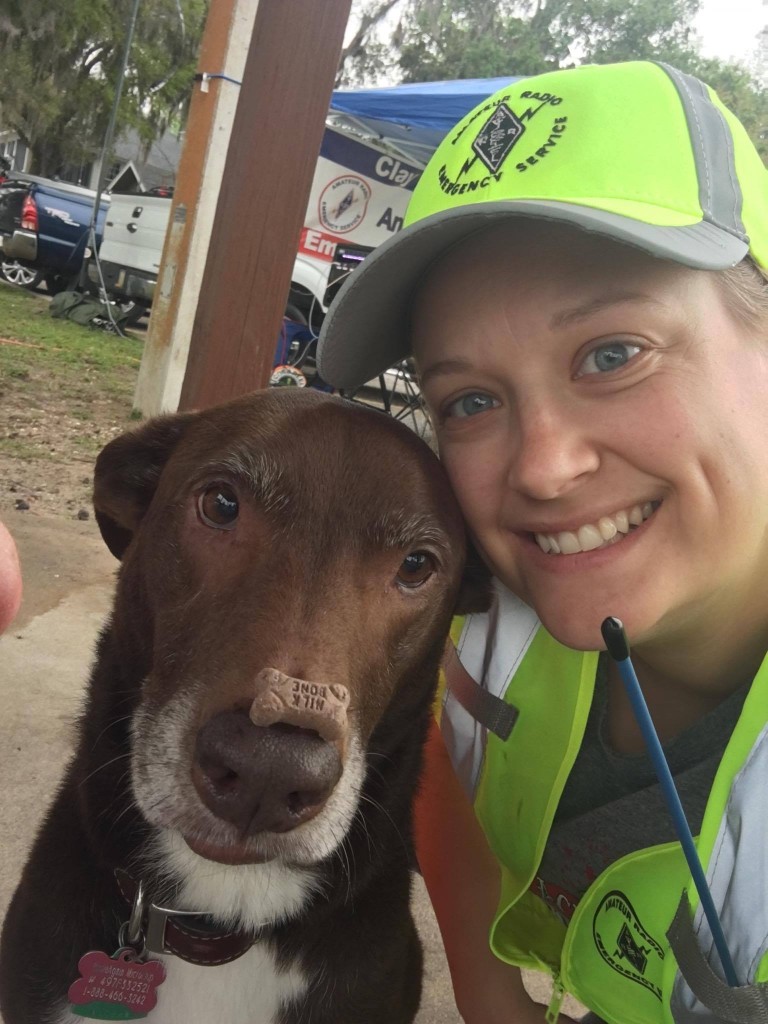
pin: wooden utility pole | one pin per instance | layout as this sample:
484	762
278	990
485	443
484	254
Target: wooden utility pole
224	48
276	136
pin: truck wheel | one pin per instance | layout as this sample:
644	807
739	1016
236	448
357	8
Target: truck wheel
19	274
294	313
56	283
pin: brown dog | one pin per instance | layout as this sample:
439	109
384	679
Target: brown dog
252	733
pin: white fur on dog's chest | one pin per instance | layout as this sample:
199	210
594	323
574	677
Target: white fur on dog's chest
250	990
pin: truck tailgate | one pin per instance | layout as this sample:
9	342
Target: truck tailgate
135	230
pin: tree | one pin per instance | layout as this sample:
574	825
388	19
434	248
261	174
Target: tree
484	38
363	54
746	96
604	31
443	39
59	61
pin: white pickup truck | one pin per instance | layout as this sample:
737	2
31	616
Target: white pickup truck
130	251
358	199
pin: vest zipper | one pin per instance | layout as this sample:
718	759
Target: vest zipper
558	993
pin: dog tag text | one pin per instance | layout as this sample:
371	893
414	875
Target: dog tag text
119	987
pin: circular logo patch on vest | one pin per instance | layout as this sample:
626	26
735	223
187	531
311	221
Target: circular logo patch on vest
343	203
624	944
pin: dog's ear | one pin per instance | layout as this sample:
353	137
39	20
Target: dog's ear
126	475
476	589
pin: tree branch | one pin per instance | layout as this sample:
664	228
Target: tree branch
367	22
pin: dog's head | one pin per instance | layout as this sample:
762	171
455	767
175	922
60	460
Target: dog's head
290	566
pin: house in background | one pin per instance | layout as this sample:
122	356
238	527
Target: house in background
133	168
13	150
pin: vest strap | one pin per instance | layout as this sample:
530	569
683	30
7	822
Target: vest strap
489	710
747	1004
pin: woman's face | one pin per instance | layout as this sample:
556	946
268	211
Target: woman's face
603	418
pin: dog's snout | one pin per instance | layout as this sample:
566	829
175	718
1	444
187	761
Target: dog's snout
263	779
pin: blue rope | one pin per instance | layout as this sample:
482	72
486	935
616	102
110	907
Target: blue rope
618	648
211	74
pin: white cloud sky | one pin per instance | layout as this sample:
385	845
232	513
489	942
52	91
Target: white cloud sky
729	28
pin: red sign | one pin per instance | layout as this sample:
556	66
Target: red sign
318	244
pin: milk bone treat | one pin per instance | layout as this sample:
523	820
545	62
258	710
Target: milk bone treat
296	702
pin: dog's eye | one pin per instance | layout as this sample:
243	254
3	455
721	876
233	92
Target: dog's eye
218	506
415	569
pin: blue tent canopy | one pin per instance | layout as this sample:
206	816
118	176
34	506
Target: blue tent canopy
415	116
437	105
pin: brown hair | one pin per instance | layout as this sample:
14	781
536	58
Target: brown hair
745	287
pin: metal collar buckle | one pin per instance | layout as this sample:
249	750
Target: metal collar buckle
157	919
155	929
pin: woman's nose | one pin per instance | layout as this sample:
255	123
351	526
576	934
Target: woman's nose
555	452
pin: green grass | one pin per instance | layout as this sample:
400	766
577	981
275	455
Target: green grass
68	355
23	450
65	391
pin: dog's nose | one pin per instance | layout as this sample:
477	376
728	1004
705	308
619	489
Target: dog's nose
262	779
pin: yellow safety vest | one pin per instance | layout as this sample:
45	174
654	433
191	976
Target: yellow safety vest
507	673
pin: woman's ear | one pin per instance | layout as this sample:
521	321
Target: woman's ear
126	476
476	591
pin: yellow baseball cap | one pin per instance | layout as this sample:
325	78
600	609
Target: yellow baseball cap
639	152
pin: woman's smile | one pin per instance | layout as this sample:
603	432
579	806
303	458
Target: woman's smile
591	536
574	559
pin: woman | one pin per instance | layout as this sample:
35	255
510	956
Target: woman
580	282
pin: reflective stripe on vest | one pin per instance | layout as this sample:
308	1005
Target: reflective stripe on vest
491	657
742	1004
614	955
737	870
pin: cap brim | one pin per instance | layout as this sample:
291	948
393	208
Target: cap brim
366	329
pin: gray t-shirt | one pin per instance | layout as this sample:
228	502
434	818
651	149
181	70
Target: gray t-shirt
612	804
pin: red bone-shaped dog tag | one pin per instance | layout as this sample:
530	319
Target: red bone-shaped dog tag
119	987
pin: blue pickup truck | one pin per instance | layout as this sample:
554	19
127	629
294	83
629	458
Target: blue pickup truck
43	230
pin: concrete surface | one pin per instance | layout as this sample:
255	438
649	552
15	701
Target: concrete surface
44	662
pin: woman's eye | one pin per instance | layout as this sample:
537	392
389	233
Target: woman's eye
611	356
415	569
470	404
218	506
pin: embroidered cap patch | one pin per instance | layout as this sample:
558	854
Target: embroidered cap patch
497	137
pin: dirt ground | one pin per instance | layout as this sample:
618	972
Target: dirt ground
52	434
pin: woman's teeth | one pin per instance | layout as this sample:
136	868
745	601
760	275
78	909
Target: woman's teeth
607	530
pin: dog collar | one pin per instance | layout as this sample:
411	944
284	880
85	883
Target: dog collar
187	934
